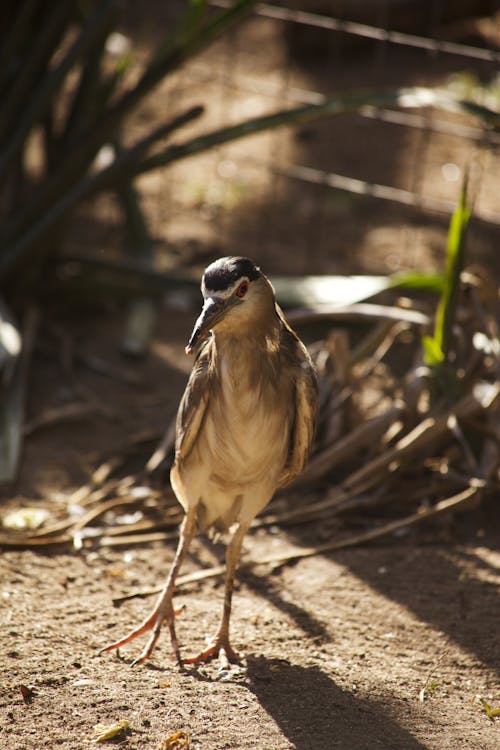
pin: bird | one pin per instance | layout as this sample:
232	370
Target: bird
244	429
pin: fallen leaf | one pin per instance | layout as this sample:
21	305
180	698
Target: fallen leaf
25	518
426	690
103	732
176	741
27	693
491	713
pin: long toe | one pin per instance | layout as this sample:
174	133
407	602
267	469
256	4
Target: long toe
219	648
143	628
153	622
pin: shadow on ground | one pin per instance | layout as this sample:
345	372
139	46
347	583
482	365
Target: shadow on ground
313	712
444	586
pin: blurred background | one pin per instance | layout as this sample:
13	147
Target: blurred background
138	142
365	191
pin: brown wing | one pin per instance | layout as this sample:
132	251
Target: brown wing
193	405
306	407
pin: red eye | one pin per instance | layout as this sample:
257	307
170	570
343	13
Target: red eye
242	289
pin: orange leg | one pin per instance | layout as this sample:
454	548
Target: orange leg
220	646
164	609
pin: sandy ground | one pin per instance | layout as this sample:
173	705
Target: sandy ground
337	648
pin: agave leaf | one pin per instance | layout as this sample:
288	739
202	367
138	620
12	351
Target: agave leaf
423	281
34	59
311	291
65	193
40	101
18	38
75	191
191	37
139	244
304	291
134	277
86	104
354	101
62	188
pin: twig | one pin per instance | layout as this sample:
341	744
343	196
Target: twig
109	370
370	362
419	438
58	414
365	434
128	540
24	542
445	506
357	311
199	575
163	449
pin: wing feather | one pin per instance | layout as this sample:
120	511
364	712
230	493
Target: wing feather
304	420
193	405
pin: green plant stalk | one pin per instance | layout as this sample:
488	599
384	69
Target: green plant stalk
457	236
139	242
437	347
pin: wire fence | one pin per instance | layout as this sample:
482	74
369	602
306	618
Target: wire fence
367	191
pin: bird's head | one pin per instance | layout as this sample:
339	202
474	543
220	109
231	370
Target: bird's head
234	290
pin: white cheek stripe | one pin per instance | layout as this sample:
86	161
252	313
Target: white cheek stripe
223	293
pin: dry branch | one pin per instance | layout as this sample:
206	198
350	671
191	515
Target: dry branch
350	446
456	502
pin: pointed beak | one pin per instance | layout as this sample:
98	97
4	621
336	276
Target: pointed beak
213	310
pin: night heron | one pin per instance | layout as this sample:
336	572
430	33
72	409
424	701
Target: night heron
244	428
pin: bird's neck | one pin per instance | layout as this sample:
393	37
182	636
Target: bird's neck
259	334
248	354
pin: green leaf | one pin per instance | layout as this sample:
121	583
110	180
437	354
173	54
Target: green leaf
436	348
306	291
303	291
445	315
433	354
424	281
490	712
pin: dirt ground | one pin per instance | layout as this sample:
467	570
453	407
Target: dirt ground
391	645
337	648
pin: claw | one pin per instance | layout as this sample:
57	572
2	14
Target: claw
220	648
154	622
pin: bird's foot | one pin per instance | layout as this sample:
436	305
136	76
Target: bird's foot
154	622
219	648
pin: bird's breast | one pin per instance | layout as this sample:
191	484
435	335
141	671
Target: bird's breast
248	425
243	442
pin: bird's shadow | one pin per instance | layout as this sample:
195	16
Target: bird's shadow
313	712
264	586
